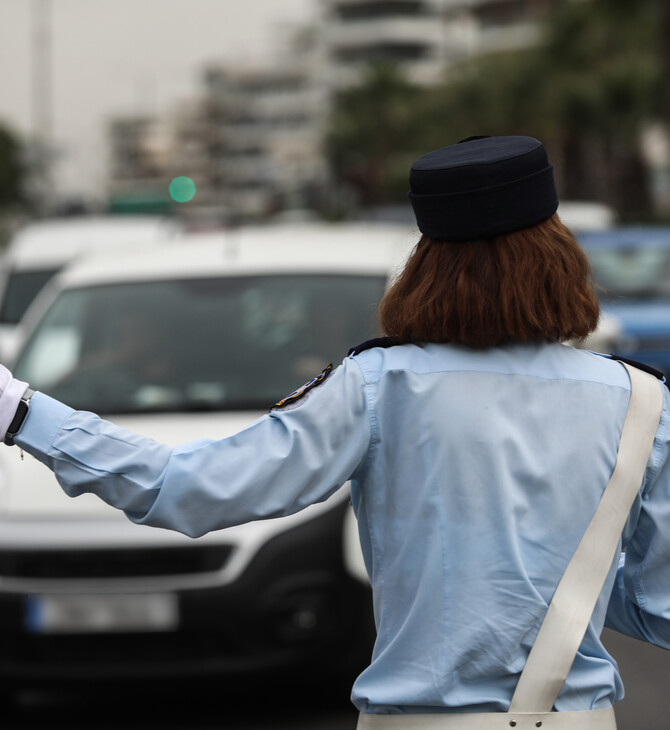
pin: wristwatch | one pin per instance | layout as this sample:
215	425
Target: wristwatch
21	413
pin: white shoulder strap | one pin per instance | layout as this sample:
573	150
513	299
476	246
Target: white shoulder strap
570	610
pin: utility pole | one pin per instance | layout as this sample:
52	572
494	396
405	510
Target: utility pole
664	47
42	103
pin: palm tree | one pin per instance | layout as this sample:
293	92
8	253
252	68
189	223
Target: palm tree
603	82
587	90
371	135
12	170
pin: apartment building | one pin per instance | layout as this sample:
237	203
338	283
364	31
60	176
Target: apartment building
253	139
264	132
504	25
426	37
140	152
406	32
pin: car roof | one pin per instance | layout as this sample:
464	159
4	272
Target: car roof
53	242
586	215
289	248
626	237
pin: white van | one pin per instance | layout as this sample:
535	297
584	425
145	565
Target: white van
40	249
195	343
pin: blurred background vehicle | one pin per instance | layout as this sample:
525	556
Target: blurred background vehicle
586	215
182	342
38	250
631	266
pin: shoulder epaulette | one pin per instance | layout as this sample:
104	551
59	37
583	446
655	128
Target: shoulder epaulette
376	342
302	391
641	366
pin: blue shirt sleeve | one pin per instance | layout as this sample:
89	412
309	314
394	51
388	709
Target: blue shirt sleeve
639	605
280	464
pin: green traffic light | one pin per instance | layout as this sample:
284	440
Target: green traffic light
182	189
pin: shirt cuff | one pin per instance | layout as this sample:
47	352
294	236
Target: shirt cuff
43	422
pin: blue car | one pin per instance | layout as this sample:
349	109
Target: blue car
631	266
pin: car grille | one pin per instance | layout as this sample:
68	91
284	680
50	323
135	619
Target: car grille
113	563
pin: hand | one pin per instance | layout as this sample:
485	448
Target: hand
11	391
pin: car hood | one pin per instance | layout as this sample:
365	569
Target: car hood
28	488
34	509
36	514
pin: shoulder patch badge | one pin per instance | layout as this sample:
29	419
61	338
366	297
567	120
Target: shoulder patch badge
304	389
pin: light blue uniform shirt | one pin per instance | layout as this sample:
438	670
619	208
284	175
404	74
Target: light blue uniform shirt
474	475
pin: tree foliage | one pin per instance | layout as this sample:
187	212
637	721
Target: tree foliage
587	89
12	170
371	136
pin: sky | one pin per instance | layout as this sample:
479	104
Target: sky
123	57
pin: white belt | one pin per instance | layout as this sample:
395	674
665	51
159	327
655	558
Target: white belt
589	720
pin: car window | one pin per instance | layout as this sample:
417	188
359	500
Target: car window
639	272
22	287
216	343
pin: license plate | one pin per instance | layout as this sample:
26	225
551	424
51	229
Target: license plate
101	613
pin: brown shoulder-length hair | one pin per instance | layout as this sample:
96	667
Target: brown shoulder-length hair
530	285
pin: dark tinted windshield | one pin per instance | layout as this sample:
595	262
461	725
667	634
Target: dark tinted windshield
636	272
224	343
22	287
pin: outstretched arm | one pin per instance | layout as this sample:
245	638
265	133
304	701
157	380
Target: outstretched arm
280	464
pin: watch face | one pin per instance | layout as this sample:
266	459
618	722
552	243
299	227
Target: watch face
17	422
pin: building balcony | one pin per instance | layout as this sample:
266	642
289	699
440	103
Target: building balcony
420	32
422	72
509	38
355	9
457	5
275	104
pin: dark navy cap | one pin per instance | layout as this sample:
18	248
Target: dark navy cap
482	187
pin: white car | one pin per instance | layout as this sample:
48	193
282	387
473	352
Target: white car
180	342
586	215
38	250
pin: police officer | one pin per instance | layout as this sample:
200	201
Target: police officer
478	445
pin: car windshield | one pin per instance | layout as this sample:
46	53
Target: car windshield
227	343
22	287
635	272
